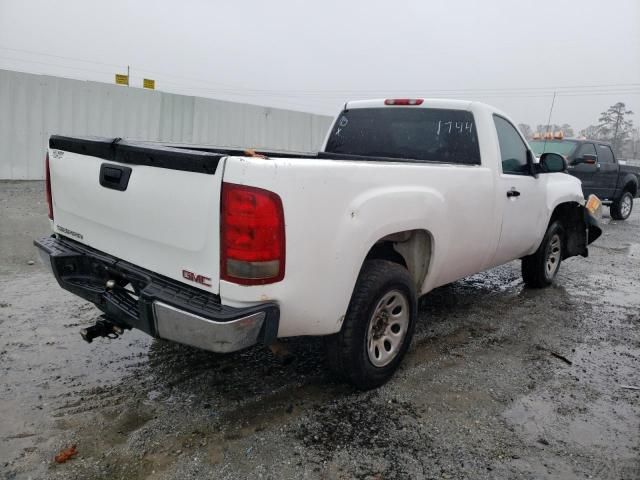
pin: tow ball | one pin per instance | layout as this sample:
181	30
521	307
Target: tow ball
103	328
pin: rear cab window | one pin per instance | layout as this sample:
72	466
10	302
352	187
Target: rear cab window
423	134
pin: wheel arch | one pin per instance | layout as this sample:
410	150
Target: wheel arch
413	249
630	185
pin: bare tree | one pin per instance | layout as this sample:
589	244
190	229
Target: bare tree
614	125
567	130
592	132
631	148
526	130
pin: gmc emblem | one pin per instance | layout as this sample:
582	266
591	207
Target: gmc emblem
194	277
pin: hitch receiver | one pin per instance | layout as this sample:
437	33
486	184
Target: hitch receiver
103	328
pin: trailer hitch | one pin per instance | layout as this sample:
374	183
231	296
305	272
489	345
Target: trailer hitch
102	328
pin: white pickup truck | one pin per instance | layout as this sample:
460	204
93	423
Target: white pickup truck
223	249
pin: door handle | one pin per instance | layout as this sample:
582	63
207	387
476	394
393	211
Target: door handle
513	193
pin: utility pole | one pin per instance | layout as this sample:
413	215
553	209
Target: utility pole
128	77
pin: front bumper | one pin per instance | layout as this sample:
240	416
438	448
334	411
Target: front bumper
157	305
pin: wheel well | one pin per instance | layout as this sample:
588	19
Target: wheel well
384	251
631	187
410	248
571	216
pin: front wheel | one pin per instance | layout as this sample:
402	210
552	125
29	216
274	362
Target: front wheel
378	327
540	268
621	208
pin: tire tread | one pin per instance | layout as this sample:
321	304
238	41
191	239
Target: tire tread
614	210
342	348
533	266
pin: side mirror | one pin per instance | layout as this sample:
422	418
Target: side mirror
586	159
552	163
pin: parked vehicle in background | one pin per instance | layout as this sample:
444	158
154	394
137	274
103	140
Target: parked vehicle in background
601	174
224	249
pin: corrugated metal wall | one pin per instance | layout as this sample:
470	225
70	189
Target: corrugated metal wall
33	107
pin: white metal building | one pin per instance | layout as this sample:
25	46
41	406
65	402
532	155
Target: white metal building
33	107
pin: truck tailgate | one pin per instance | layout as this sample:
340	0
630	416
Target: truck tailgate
164	217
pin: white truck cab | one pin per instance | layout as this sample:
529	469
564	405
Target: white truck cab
223	249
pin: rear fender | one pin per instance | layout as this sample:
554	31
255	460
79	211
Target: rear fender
629	184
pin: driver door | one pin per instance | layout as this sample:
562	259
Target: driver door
583	171
520	194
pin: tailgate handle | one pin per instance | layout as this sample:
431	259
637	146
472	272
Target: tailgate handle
114	176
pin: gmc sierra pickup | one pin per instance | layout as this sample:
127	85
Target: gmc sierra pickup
224	249
601	174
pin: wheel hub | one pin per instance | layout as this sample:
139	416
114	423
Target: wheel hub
554	254
381	324
387	328
625	207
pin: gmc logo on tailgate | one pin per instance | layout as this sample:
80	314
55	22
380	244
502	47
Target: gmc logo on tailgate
194	277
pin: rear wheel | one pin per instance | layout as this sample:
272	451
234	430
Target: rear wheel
378	327
540	268
621	208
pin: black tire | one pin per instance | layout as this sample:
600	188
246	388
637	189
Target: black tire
618	209
348	350
536	272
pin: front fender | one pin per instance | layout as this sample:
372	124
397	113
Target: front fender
563	188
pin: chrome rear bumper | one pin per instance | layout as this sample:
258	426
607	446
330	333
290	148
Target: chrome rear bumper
184	327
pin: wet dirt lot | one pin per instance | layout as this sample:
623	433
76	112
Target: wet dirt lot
500	382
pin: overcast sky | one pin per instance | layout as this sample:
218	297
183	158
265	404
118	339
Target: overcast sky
315	55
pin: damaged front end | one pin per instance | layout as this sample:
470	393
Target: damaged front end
582	225
592	216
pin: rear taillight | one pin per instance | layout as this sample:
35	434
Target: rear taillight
252	243
47	186
403	101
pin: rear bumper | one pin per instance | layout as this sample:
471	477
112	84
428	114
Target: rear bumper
157	305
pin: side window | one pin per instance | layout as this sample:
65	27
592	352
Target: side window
512	149
586	149
605	155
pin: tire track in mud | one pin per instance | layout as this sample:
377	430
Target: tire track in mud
475	397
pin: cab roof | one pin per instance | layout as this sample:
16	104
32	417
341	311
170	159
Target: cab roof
425	103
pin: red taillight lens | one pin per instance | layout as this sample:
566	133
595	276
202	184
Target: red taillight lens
403	101
252	243
47	186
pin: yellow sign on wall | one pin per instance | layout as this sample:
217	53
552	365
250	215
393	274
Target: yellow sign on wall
122	79
148	83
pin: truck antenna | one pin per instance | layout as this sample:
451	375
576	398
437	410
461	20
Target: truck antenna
553	101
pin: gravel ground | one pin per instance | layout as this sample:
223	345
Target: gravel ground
501	382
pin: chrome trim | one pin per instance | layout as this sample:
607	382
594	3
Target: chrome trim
184	327
45	258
